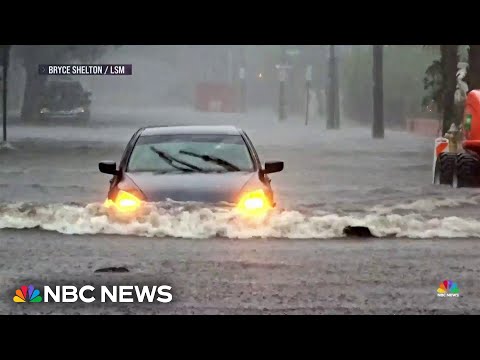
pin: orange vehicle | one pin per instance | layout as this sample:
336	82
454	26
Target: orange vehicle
457	153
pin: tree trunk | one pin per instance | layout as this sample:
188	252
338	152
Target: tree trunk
34	88
449	62
378	130
473	74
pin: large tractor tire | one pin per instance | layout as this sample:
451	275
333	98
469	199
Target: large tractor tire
467	171
445	168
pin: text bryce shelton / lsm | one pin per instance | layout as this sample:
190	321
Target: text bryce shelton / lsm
89	69
114	294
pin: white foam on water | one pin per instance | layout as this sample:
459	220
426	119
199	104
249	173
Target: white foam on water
199	221
427	205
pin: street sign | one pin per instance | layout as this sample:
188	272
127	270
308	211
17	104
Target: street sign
308	73
241	73
292	52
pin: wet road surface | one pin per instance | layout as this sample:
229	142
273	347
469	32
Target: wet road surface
297	262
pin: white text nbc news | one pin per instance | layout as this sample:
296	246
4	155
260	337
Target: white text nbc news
114	294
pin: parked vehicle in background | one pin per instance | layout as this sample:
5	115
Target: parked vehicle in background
65	100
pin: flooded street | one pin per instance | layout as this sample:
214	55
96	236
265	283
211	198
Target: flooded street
53	228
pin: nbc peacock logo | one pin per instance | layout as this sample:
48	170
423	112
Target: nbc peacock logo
27	294
448	288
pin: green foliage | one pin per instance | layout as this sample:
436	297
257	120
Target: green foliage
433	81
433	85
403	88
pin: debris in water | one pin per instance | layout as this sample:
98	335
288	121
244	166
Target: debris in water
112	269
357	231
5	146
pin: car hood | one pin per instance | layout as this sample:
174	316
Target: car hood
201	187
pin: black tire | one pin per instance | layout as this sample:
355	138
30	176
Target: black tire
84	118
467	170
445	166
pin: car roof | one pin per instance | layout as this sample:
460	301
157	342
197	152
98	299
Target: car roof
191	129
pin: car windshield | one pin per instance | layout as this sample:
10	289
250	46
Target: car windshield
190	153
63	95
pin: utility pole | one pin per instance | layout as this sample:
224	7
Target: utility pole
282	101
378	126
308	78
333	120
229	61
243	81
5	58
336	91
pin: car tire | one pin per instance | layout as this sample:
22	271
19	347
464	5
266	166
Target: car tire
467	171
84	118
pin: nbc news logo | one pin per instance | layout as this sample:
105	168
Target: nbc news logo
27	294
113	294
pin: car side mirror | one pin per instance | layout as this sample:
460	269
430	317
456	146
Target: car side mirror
273	167
108	167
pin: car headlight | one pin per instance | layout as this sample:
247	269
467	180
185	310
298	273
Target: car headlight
81	109
125	201
254	203
44	110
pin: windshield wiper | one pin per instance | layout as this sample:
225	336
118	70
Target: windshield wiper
223	163
170	160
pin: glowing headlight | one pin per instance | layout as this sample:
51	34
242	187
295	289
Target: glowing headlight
124	202
44	110
81	110
254	202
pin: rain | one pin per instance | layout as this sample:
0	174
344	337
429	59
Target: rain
355	126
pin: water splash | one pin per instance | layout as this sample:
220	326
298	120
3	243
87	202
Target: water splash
193	220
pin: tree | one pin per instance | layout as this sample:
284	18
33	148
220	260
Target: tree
473	74
433	84
30	56
441	80
449	66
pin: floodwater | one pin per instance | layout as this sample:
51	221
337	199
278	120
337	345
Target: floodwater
296	260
